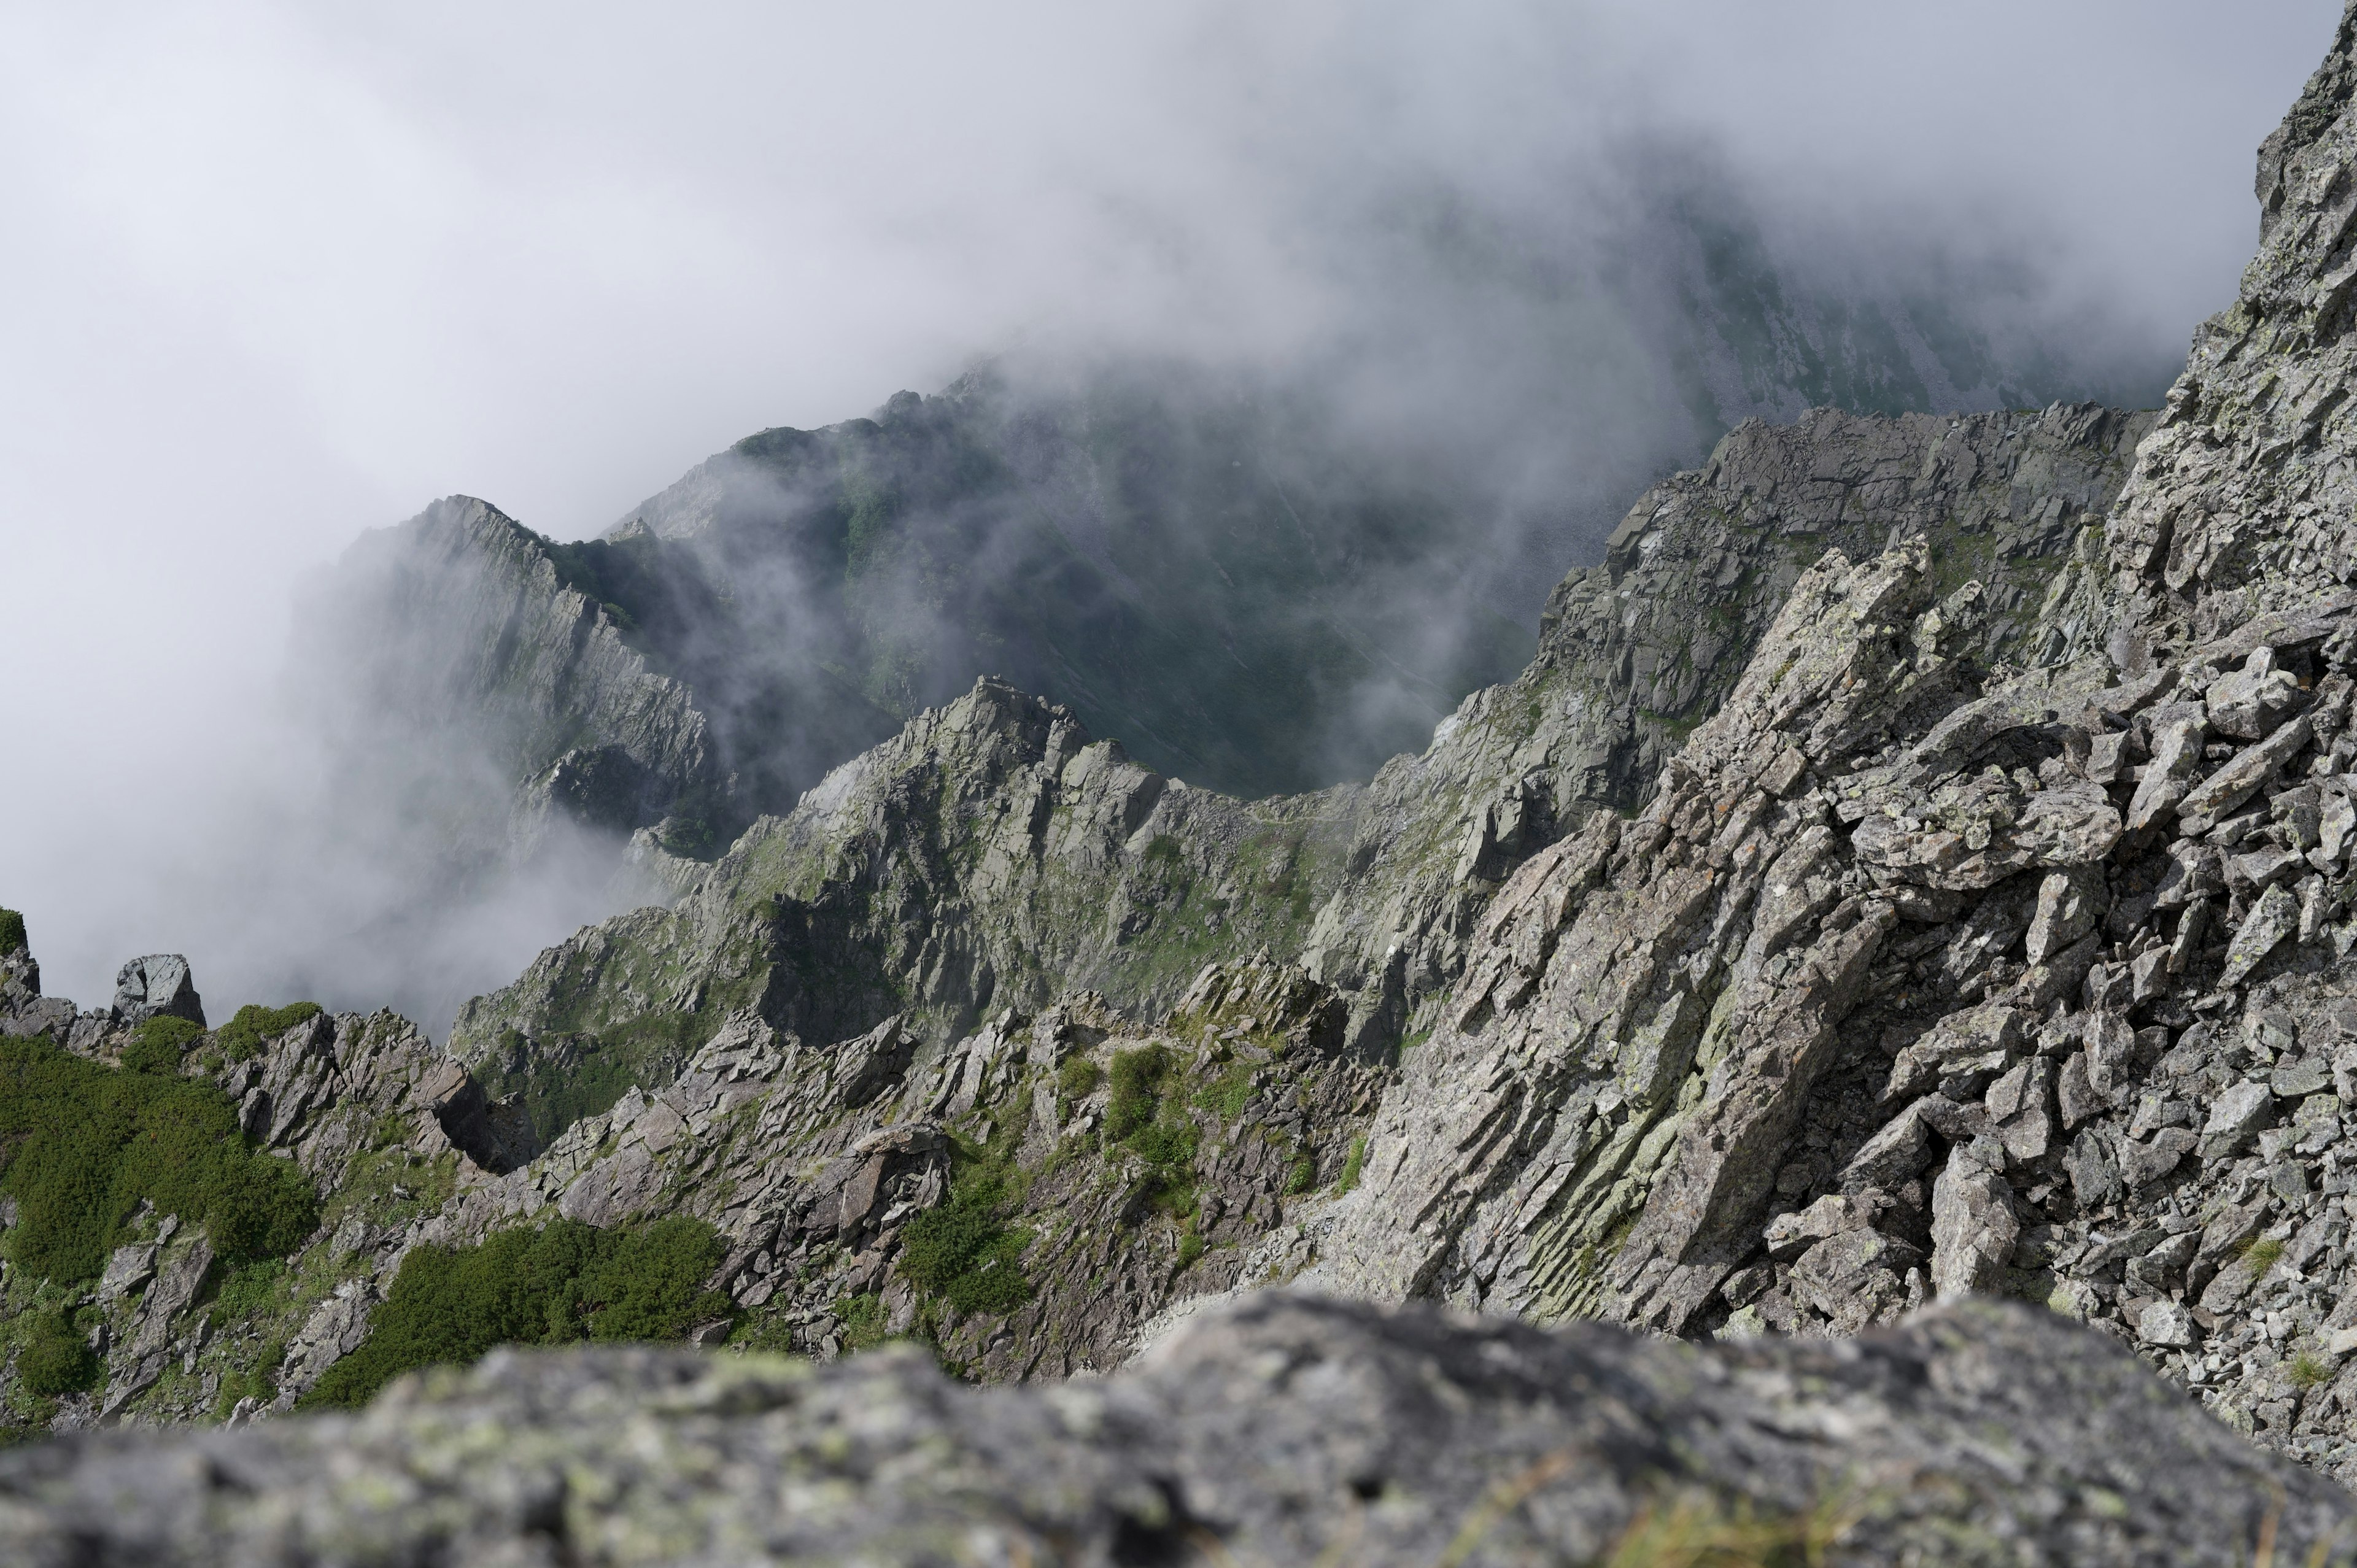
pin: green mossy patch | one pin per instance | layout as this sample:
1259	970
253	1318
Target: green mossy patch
1079	1078
1146	1116
157	1044
862	1317
54	1359
965	1254
241	1038
84	1145
12	932
562	1282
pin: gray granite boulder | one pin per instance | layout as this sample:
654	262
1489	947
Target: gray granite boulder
1282	1429
158	986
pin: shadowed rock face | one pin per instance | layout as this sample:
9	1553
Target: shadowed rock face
1282	1430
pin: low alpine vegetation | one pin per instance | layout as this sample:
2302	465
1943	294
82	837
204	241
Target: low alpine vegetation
241	1038
84	1145
157	1044
560	1284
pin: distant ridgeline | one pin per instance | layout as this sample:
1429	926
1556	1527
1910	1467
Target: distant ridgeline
1249	590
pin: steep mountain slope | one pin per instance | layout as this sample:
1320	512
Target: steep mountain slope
1260	580
1909	983
1920	862
991	856
1006	927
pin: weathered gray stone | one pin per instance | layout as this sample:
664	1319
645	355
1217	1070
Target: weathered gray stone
644	1456
2167	1325
2070	903
127	1268
2236	1117
2251	701
2240	778
2175	762
1974	1228
158	985
1965	1049
1855	1277
1789	1235
2020	1108
1896	1155
2273	918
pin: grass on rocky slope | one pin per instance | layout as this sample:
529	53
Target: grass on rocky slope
965	1254
241	1038
554	1286
84	1145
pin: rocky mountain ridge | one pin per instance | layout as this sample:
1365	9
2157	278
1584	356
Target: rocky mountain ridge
1909	871
959	948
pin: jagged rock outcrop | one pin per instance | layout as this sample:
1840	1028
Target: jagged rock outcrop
1917	979
1133	1166
383	1123
1702	564
462	632
1971	1434
992	855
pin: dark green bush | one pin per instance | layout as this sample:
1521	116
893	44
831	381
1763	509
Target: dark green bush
54	1360
1137	1089
862	1317
157	1044
84	1144
1079	1076
964	1251
241	1036
1168	1144
11	931
562	1282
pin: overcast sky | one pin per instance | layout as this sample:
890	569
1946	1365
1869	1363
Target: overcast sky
275	274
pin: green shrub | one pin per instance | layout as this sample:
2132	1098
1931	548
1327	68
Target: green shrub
53	1359
242	1035
1302	1177
1163	850
1169	1144
562	1282
1137	1091
964	1251
84	1145
862	1317
689	838
2308	1369
1352	1163
1191	1247
11	931
245	1293
1079	1076
2262	1255
157	1044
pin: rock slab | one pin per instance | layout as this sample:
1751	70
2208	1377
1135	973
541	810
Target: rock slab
1283	1429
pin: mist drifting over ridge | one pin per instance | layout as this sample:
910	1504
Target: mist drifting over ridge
303	276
